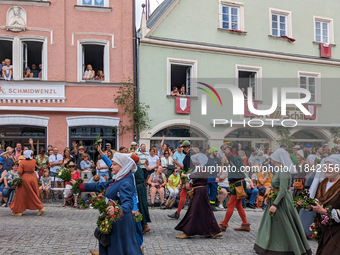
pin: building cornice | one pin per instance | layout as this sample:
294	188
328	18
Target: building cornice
244	52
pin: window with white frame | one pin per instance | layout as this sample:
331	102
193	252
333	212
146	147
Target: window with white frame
310	83
180	75
250	76
280	22
279	25
25	58
93	61
101	3
322	32
230	17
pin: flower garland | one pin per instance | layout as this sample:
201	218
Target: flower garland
319	220
185	179
139	218
75	188
304	201
231	187
218	189
17	182
104	222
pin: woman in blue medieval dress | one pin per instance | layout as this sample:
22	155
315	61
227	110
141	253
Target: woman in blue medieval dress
121	188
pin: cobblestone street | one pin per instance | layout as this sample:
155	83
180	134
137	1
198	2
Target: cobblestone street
70	231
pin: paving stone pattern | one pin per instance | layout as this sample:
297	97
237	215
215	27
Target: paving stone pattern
70	231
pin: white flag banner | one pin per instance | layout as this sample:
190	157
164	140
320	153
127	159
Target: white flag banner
183	103
311	109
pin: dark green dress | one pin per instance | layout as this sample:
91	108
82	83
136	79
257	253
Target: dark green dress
142	196
283	233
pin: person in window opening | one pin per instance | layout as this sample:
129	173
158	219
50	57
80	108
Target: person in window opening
245	94
7	70
40	73
100	76
182	91
89	73
34	71
1	65
174	91
27	73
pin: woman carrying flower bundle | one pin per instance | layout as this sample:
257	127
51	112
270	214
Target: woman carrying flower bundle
328	215
27	195
281	231
123	235
75	175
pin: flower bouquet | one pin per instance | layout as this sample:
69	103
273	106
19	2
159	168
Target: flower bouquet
17	182
317	161
218	189
185	180
75	188
316	230
231	187
98	141
82	204
139	218
319	220
273	195
64	174
104	222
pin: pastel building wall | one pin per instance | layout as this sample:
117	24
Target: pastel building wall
65	36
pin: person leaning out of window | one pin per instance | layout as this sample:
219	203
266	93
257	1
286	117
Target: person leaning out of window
89	73
100	76
86	163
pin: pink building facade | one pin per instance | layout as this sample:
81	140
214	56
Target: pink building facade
54	104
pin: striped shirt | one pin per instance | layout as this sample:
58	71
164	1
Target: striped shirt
142	156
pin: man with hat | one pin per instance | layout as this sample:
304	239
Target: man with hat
186	165
77	154
107	147
308	148
213	164
296	148
134	145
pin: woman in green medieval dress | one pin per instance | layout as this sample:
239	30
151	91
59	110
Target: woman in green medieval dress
281	231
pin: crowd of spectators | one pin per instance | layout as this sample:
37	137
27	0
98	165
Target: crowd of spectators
161	166
29	72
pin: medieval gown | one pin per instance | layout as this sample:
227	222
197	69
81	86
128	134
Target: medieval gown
283	233
199	219
330	236
123	234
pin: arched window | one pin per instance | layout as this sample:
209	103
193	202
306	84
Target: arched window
173	135
303	137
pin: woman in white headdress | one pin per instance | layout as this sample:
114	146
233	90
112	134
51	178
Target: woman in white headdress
282	233
123	238
27	195
328	193
199	219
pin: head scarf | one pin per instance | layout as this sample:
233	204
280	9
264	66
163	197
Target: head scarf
200	159
282	156
320	174
127	164
301	153
28	154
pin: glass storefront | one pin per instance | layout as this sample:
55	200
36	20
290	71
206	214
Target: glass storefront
312	137
86	136
11	135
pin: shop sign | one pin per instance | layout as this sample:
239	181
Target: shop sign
43	90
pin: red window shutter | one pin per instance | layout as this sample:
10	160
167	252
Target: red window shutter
183	105
247	113
325	50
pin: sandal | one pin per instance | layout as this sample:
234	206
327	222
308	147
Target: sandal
63	205
75	206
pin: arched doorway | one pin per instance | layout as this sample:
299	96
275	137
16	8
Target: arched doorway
174	134
248	138
303	137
